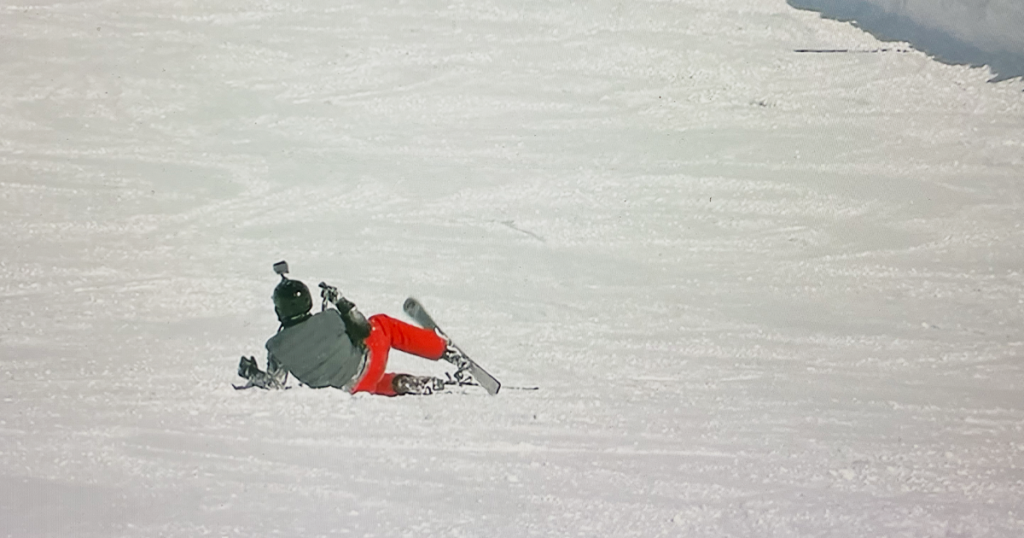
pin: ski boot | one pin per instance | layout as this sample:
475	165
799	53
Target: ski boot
419	385
454	355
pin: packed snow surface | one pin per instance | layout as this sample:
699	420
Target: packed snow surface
763	293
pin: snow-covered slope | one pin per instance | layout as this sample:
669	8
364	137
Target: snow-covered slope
764	293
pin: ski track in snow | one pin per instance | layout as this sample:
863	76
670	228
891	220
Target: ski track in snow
764	293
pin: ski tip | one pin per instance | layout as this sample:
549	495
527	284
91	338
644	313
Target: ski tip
410	303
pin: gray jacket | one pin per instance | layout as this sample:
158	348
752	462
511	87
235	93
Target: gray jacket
320	352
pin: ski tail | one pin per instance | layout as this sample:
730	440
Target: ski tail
486	380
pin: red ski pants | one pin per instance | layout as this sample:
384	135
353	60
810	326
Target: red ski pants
387	333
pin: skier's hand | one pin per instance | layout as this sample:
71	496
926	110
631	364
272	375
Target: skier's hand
247	367
329	293
333	296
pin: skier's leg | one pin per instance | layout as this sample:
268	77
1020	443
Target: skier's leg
386	385
410	338
375	380
387	333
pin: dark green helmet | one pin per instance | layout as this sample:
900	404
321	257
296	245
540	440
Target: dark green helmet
292	300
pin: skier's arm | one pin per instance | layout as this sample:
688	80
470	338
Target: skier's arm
274	378
356	325
355	322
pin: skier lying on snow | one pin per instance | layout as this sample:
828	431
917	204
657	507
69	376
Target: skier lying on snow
338	347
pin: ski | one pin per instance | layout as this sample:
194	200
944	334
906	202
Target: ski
452	381
416	311
251	385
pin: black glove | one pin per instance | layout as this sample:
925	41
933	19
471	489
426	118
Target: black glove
333	296
329	293
247	367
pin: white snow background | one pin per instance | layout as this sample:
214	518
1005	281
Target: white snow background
763	293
